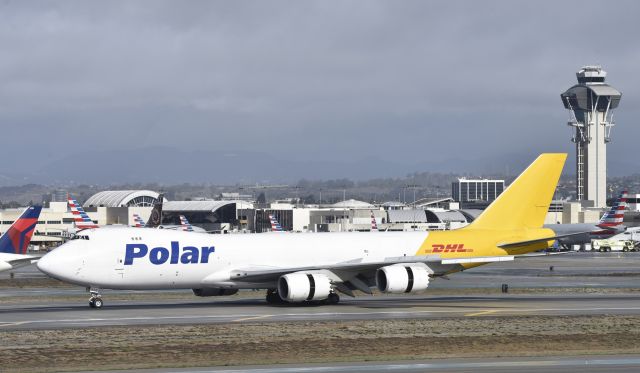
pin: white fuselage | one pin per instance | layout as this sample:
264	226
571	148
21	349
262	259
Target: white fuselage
132	258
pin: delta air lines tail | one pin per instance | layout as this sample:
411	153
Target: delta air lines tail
312	266
14	243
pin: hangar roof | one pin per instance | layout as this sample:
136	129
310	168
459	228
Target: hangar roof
202	205
393	204
449	216
407	216
426	216
352	203
122	198
471	214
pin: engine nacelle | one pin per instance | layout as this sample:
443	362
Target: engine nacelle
299	287
213	292
402	278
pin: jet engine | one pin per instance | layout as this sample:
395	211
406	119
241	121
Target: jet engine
402	278
299	287
213	292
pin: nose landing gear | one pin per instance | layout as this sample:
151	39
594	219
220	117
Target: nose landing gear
96	299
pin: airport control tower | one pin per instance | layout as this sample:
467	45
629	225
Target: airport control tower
590	104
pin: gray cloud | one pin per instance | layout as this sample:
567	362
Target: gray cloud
343	80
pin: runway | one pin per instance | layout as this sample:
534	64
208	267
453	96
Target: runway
522	365
67	307
585	284
122	313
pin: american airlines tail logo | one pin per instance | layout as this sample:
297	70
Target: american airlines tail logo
615	216
450	248
80	217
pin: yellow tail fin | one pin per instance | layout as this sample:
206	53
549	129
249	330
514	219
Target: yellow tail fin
524	204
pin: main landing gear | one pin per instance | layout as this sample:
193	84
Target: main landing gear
96	299
334	298
273	298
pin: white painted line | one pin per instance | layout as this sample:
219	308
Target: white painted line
252	318
311	316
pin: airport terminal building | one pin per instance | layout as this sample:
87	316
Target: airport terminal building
243	216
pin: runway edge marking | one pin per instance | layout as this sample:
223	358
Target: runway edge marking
486	312
251	318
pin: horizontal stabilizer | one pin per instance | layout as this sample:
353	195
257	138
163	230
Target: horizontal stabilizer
538	240
479	259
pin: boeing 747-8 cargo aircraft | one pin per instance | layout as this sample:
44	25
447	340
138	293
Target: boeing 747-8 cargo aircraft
312	266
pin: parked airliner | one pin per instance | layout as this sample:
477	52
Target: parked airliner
609	225
313	266
14	243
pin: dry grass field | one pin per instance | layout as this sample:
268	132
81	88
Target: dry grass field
295	342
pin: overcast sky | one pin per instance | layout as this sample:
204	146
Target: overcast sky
336	80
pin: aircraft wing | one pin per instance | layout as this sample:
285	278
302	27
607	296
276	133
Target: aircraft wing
13	261
359	267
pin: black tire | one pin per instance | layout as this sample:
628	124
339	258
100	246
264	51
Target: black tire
98	303
333	298
92	303
273	297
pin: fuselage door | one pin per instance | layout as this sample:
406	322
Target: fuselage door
119	266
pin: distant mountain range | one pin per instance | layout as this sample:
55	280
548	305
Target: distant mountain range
169	165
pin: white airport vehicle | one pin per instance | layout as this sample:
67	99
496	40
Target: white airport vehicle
628	240
314	266
605	245
631	234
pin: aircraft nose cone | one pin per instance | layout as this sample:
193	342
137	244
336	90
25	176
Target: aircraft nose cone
61	262
50	263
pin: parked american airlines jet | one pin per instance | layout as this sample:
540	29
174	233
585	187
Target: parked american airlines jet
185	225
312	266
374	224
155	219
81	219
609	225
275	226
14	243
138	222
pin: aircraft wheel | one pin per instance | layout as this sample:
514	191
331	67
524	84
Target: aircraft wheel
96	303
333	298
273	297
